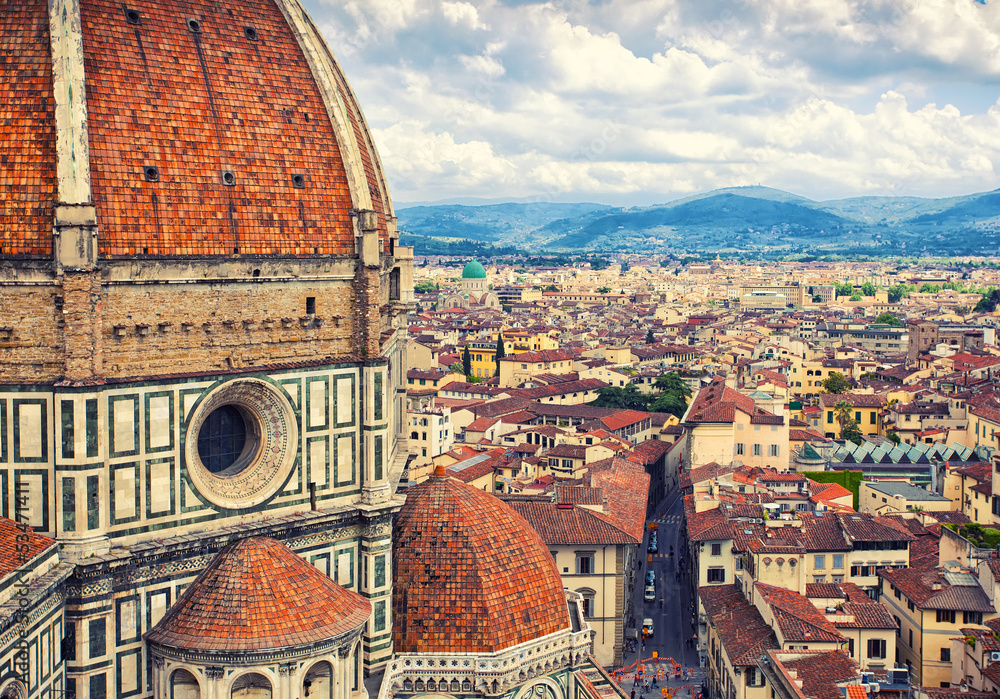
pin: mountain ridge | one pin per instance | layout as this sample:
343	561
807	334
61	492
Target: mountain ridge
750	219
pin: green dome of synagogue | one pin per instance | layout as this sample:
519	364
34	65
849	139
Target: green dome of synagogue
473	270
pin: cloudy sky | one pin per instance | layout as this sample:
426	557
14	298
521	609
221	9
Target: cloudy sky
642	101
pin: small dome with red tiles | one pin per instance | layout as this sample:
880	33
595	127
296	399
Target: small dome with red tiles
471	575
257	595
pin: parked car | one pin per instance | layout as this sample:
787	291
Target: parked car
647	626
650	594
652	547
650	577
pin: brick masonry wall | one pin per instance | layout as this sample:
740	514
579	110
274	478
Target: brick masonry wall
82	306
217	337
133	323
31	342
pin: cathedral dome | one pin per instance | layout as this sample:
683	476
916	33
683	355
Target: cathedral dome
257	595
194	129
471	575
474	270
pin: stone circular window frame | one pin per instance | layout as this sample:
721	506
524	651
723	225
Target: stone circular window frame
271	428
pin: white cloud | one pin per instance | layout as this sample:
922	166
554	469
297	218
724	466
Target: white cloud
462	14
657	98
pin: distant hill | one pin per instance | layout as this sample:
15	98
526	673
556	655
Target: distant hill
748	219
499	223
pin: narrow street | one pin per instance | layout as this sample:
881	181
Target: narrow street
672	622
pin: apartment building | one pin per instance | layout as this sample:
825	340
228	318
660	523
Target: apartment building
931	607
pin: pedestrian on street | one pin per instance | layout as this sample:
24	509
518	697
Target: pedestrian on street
633	693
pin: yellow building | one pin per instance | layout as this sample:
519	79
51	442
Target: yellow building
866	410
594	536
984	426
970	489
527	341
518	368
890	497
483	358
932	607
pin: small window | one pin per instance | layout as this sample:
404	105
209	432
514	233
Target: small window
972	617
876	648
946	616
310	305
585	563
756	450
946	655
716	575
838	560
819	562
716	549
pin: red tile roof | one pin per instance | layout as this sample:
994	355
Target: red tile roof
821	672
258	595
28	141
741	628
709	525
855	400
719	403
919	587
626	486
648	451
623	419
217	124
570	524
539	356
871	615
471	575
797	618
12	552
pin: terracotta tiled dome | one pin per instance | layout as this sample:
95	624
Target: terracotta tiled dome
471	574
248	89
257	595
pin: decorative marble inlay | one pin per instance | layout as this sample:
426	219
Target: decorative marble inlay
274	428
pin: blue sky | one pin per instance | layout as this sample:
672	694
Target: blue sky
642	101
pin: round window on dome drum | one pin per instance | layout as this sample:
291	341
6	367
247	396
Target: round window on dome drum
224	441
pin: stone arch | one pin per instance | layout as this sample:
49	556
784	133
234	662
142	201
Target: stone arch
543	688
13	690
251	685
317	683
184	685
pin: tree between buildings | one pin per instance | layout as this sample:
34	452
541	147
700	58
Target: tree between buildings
836	383
889	319
500	354
851	431
624	397
467	363
672	396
